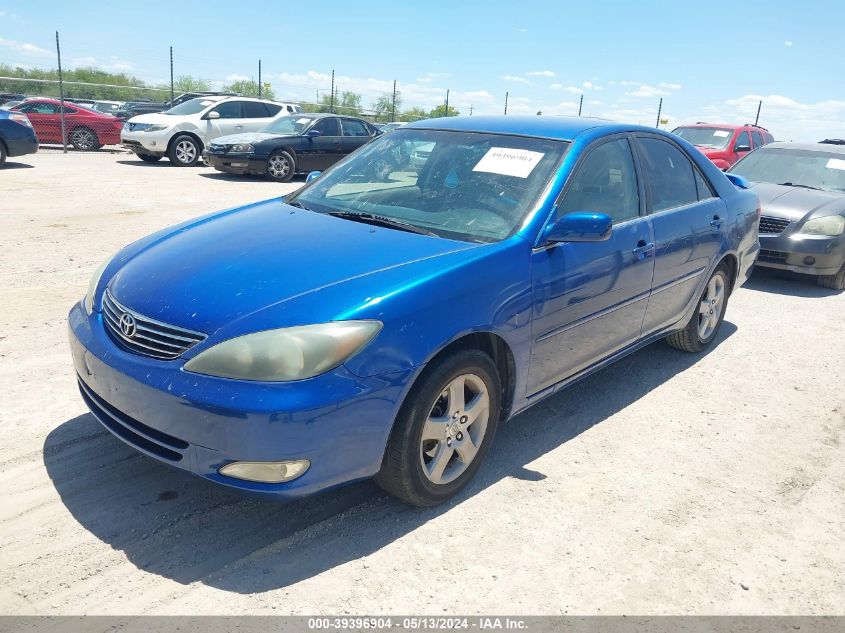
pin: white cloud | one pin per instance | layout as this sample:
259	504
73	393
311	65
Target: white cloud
595	103
591	86
787	43
648	91
573	90
237	77
555	86
540	73
516	79
522	30
429	77
24	47
669	86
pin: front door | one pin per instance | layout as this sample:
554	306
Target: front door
590	298
321	152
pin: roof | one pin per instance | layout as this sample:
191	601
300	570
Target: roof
562	128
732	126
810	147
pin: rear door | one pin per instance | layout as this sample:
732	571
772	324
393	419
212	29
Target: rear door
355	134
689	226
256	116
589	299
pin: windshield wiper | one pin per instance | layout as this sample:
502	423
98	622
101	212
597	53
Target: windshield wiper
378	220
297	204
795	184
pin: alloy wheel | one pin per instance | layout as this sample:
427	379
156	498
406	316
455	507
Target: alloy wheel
83	139
186	152
454	429
278	166
710	309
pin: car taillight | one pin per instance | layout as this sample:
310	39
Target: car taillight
21	118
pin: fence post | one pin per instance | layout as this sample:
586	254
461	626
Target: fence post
757	119
393	108
331	104
581	104
447	103
659	111
61	94
506	104
172	96
259	78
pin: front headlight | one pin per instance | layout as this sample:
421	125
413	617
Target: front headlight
155	128
241	148
293	353
88	303
829	225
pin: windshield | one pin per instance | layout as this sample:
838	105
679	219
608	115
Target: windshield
289	125
709	137
194	106
808	168
459	185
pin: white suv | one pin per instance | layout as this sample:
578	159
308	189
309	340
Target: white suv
182	132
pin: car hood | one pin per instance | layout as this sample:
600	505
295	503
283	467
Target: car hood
794	203
245	137
225	267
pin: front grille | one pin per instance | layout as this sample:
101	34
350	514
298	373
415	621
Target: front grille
144	335
131	430
773	226
771	256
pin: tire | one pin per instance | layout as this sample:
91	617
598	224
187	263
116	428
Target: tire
281	166
84	139
3	153
834	282
149	158
184	151
706	321
425	472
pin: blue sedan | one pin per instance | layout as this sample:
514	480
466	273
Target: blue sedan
383	320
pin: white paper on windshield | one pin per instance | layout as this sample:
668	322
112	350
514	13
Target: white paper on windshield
836	163
721	133
303	120
509	162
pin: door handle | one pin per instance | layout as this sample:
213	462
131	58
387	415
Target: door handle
643	249
716	222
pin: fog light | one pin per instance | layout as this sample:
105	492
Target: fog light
809	260
266	472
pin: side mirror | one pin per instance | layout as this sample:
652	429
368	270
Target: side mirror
312	175
742	148
314	133
738	181
214	114
581	226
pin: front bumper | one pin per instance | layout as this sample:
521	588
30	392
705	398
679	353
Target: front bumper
236	163
153	143
808	254
338	421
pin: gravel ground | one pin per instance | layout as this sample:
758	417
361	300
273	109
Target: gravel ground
669	483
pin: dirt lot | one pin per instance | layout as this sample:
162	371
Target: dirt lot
669	483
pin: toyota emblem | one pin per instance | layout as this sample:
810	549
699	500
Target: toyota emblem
127	325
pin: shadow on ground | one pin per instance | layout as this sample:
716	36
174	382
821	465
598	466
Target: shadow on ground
164	162
220	175
173	524
9	165
784	282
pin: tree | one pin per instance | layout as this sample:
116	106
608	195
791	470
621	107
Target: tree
186	83
441	111
249	88
413	114
383	106
344	103
83	83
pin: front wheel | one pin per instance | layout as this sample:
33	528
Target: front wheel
443	430
835	282
280	166
707	319
184	151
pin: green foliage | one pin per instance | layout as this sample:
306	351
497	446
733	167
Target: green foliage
249	88
383	106
121	87
413	114
441	111
186	83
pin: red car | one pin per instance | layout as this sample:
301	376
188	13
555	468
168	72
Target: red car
724	144
85	129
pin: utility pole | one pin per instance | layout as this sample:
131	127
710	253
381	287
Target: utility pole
581	104
470	109
61	94
331	104
757	119
393	109
171	75
259	78
447	103
506	104
659	110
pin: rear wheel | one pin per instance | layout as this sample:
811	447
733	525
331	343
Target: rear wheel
836	282
443	431
280	166
149	158
84	139
184	151
707	319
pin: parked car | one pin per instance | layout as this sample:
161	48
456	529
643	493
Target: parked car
17	137
137	108
10	104
85	129
365	327
802	190
387	127
108	107
182	132
5	97
290	145
724	144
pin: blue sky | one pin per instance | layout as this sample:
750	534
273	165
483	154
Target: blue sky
710	61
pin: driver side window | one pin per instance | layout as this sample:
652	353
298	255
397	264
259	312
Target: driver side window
606	182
